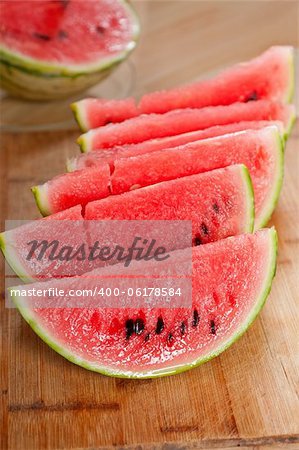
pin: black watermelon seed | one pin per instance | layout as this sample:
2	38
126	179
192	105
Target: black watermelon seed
212	326
197	240
183	328
252	97
129	328
170	338
160	325
196	317
139	326
147	337
216	207
62	34
204	228
100	30
41	36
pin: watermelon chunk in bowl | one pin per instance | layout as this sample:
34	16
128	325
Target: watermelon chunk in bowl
52	49
231	280
269	76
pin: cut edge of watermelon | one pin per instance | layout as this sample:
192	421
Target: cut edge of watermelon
290	122
291	64
85	142
276	182
71	164
12	258
40	193
28	64
80	116
249	197
28	315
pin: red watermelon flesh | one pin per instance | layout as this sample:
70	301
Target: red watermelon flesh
260	150
66	32
219	204
70	189
65	226
176	122
230	283
269	76
94	158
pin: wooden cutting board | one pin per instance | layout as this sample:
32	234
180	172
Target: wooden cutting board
246	397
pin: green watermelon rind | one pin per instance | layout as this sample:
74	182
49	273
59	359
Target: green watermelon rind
41	198
290	124
78	115
276	182
44	69
49	340
250	199
84	142
36	87
8	249
291	63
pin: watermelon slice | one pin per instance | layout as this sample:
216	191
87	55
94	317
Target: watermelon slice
54	48
219	203
261	151
70	189
176	122
14	245
269	76
93	159
230	283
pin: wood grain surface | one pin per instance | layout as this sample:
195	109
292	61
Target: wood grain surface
247	397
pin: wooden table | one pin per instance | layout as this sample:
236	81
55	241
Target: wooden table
244	398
